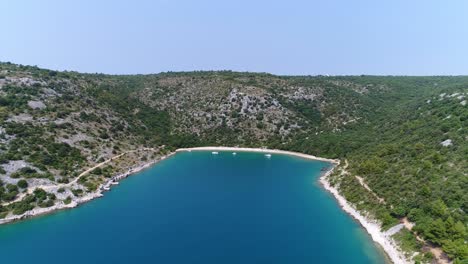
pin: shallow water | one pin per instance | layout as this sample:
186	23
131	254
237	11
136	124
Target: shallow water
196	207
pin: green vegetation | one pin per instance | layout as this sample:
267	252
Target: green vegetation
67	200
409	244
407	241
22	184
39	198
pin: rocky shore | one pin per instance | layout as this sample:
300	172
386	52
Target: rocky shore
371	226
85	198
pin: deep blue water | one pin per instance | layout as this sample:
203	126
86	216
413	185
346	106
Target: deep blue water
200	208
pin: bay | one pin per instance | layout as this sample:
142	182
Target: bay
196	207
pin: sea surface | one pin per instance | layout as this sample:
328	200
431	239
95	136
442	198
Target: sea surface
196	207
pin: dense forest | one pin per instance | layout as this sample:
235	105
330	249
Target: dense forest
406	137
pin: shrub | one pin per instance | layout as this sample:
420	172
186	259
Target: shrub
67	200
22	184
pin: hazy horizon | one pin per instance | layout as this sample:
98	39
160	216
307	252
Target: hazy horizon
234	71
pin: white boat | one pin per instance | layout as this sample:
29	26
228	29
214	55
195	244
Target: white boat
214	153
268	155
234	153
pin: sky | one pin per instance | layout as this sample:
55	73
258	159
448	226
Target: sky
290	37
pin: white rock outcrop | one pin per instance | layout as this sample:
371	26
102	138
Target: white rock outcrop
36	104
446	143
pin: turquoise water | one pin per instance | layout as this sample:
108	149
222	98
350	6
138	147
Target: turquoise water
196	207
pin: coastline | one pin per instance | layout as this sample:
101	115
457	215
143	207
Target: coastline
260	150
371	227
86	198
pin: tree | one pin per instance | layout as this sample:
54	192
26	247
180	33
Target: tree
438	208
436	231
455	230
22	184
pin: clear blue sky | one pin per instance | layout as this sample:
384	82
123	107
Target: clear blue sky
399	37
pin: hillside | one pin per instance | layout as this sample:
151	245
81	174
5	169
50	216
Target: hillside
406	138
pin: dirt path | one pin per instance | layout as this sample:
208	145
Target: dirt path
361	182
97	166
438	253
30	190
345	167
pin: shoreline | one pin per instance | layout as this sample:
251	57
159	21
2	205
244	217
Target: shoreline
114	180
371	227
260	150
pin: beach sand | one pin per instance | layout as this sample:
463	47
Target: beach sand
261	150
